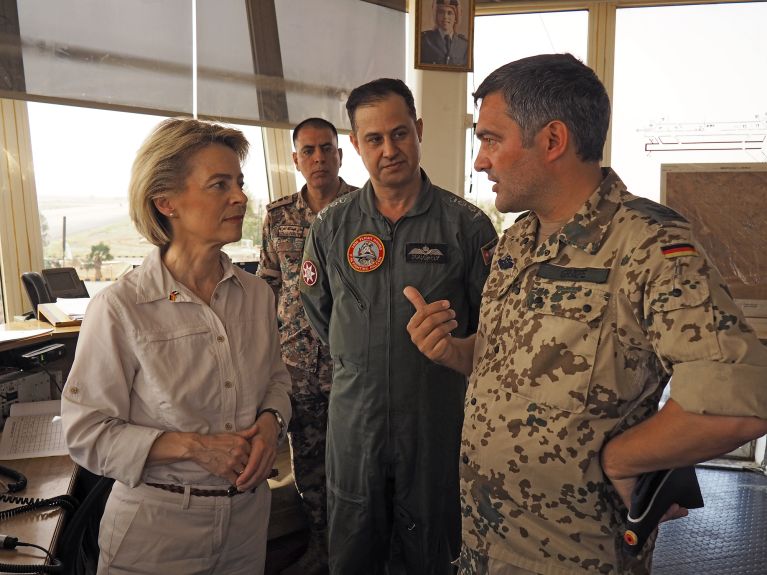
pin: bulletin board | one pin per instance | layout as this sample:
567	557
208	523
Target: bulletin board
727	207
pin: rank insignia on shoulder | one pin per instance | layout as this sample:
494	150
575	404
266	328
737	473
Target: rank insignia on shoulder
678	250
309	273
173	296
488	250
365	253
506	263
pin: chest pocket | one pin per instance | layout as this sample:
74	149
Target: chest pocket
553	351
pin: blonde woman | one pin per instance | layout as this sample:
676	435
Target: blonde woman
177	390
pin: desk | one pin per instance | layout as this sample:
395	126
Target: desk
46	477
21	326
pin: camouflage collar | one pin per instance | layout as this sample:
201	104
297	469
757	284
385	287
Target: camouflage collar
301	194
422	203
587	228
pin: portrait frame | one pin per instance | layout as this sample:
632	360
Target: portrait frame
430	52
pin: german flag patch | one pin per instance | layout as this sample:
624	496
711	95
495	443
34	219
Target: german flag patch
678	250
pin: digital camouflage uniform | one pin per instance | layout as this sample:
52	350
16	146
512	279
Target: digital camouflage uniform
395	417
577	339
285	229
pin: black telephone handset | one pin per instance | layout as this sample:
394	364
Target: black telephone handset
66	502
36	289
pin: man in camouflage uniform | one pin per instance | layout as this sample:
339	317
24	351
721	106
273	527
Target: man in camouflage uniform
595	297
286	226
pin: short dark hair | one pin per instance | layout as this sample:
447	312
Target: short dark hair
376	91
320	123
549	87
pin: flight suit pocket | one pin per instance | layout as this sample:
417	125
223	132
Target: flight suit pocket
553	352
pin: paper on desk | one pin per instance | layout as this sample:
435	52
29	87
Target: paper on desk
16	334
33	430
74	307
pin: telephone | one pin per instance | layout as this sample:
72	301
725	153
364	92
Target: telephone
52	284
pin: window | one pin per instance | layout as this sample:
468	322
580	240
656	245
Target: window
522	35
696	92
83	159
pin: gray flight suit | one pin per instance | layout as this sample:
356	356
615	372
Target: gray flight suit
395	417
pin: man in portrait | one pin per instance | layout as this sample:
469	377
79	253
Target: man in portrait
442	44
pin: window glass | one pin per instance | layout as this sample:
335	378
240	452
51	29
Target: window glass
352	169
697	94
83	159
502	39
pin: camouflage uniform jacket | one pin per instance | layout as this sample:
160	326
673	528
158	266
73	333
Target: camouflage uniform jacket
577	339
285	229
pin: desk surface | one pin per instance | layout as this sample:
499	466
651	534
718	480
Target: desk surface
22	326
46	477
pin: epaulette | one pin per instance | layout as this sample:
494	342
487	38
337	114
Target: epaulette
522	215
283	201
462	36
659	213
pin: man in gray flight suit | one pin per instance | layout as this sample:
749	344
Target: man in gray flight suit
395	417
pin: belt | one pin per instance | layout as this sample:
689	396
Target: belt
231	492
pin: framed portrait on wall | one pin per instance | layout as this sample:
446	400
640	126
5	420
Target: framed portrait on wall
444	35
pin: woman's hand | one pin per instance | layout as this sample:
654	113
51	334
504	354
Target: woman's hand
263	452
222	454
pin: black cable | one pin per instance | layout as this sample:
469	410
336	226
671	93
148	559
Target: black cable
8	542
50	376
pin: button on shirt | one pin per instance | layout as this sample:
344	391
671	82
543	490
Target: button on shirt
152	357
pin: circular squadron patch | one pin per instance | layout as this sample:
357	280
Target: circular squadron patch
365	253
309	272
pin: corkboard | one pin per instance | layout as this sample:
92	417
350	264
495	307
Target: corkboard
727	207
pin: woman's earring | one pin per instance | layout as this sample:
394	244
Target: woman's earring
172	215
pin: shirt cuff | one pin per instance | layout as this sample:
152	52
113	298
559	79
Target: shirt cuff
127	458
714	388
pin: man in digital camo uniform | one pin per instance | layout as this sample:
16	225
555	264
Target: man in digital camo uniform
395	418
286	226
594	299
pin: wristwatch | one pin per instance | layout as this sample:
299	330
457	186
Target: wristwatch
280	422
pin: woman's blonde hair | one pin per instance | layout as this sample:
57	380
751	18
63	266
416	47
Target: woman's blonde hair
160	168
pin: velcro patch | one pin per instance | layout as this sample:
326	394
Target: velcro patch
561	273
426	253
290	232
678	250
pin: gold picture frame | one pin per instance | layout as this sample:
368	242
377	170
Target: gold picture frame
444	36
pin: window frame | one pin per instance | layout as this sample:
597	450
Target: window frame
20	239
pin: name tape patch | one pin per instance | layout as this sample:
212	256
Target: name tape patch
592	275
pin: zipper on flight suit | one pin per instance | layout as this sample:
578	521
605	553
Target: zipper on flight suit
348	286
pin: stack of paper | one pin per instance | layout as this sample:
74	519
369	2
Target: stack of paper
66	311
33	430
